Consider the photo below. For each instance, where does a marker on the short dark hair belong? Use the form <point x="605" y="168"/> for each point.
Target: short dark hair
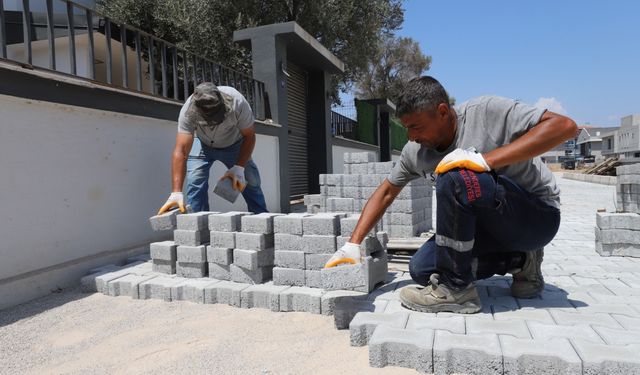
<point x="420" y="94"/>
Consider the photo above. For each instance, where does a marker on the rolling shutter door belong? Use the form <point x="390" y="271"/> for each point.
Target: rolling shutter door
<point x="297" y="113"/>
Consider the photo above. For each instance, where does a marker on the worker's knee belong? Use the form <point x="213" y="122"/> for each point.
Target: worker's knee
<point x="467" y="187"/>
<point x="423" y="263"/>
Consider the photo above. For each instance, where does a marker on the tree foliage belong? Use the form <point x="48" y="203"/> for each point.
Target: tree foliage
<point x="397" y="61"/>
<point x="351" y="29"/>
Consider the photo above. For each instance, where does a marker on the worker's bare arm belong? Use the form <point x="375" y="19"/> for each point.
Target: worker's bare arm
<point x="377" y="204"/>
<point x="184" y="141"/>
<point x="248" y="144"/>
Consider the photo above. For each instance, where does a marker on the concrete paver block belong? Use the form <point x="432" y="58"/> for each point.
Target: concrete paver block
<point x="248" y="276"/>
<point x="346" y="309"/>
<point x="313" y="278"/>
<point x="315" y="262"/>
<point x="261" y="223"/>
<point x="384" y="167"/>
<point x="516" y="328"/>
<point x="607" y="359"/>
<point x="191" y="254"/>
<point x="524" y="356"/>
<point x="190" y="237"/>
<point x="226" y="222"/>
<point x="220" y="255"/>
<point x="253" y="259"/>
<point x="263" y="296"/>
<point x="289" y="224"/>
<point x="466" y="354"/>
<point x="404" y="348"/>
<point x="569" y="318"/>
<point x="351" y="180"/>
<point x="157" y="288"/>
<point x="290" y="259"/>
<point x="193" y="221"/>
<point x="191" y="290"/>
<point x="537" y="315"/>
<point x="345" y="277"/>
<point x="346" y="298"/>
<point x="127" y="285"/>
<point x="191" y="270"/>
<point x="340" y="204"/>
<point x="99" y="282"/>
<point x="222" y="239"/>
<point x="219" y="271"/>
<point x="541" y="331"/>
<point x="163" y="266"/>
<point x="288" y="276"/>
<point x="318" y="244"/>
<point x="166" y="221"/>
<point x="631" y="323"/>
<point x="289" y="242"/>
<point x="423" y="321"/>
<point x="165" y="250"/>
<point x="321" y="224"/>
<point x="608" y="220"/>
<point x="225" y="292"/>
<point x="301" y="299"/>
<point x="364" y="323"/>
<point x="254" y="241"/>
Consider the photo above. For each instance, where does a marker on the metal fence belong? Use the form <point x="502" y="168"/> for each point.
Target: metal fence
<point x="173" y="72"/>
<point x="344" y="126"/>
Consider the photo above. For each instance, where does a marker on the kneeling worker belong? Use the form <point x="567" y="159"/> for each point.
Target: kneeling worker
<point x="497" y="203"/>
<point x="223" y="124"/>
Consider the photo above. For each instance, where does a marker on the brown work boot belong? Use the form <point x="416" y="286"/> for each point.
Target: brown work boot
<point x="437" y="297"/>
<point x="528" y="282"/>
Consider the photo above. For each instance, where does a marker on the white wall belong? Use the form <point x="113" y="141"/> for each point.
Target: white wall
<point x="80" y="183"/>
<point x="338" y="156"/>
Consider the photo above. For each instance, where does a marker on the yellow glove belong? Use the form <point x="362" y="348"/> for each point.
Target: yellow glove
<point x="464" y="159"/>
<point x="236" y="174"/>
<point x="175" y="199"/>
<point x="348" y="253"/>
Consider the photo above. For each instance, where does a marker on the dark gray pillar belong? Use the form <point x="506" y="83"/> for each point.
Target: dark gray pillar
<point x="319" y="130"/>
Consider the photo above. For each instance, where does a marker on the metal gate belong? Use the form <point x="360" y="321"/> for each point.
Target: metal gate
<point x="297" y="113"/>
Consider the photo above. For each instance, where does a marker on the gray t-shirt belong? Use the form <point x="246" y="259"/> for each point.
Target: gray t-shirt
<point x="486" y="123"/>
<point x="239" y="116"/>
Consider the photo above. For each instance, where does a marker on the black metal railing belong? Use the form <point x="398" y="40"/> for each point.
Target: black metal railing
<point x="344" y="126"/>
<point x="172" y="72"/>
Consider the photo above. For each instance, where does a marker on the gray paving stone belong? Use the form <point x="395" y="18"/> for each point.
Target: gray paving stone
<point x="163" y="266"/>
<point x="330" y="299"/>
<point x="364" y="323"/>
<point x="250" y="276"/>
<point x="607" y="220"/>
<point x="315" y="262"/>
<point x="466" y="354"/>
<point x="301" y="299"/>
<point x="287" y="242"/>
<point x="568" y="318"/>
<point x="98" y="282"/>
<point x="191" y="270"/>
<point x="225" y="292"/>
<point x="404" y="348"/>
<point x="524" y="356"/>
<point x="157" y="288"/>
<point x="193" y="221"/>
<point x="542" y="331"/>
<point x="515" y="328"/>
<point x="261" y="223"/>
<point x="321" y="224"/>
<point x="191" y="254"/>
<point x="340" y="204"/>
<point x="351" y="192"/>
<point x="127" y="285"/>
<point x="254" y="241"/>
<point x="288" y="276"/>
<point x="528" y="314"/>
<point x="165" y="250"/>
<point x="226" y="222"/>
<point x="312" y="279"/>
<point x="380" y="167"/>
<point x="191" y="290"/>
<point x="219" y="271"/>
<point x="290" y="259"/>
<point x="318" y="244"/>
<point x="607" y="359"/>
<point x="345" y="277"/>
<point x="222" y="239"/>
<point x="219" y="255"/>
<point x="190" y="237"/>
<point x="166" y="221"/>
<point x="424" y="321"/>
<point x="289" y="224"/>
<point x="614" y="336"/>
<point x="632" y="323"/>
<point x="358" y="157"/>
<point x="373" y="180"/>
<point x="253" y="259"/>
<point x="263" y="296"/>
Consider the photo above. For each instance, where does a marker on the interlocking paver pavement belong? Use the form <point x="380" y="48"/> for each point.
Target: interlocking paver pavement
<point x="589" y="308"/>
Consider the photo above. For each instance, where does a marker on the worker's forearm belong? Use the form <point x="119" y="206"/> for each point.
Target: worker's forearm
<point x="536" y="141"/>
<point x="246" y="149"/>
<point x="372" y="212"/>
<point x="178" y="170"/>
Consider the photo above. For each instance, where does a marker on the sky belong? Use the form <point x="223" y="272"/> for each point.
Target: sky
<point x="578" y="58"/>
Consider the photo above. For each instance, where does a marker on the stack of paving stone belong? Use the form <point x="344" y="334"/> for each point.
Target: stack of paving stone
<point x="618" y="234"/>
<point x="305" y="242"/>
<point x="253" y="256"/>
<point x="409" y="215"/>
<point x="191" y="239"/>
<point x="223" y="230"/>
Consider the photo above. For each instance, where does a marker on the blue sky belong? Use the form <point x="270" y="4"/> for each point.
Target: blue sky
<point x="580" y="57"/>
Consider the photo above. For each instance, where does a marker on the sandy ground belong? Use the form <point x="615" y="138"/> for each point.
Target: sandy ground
<point x="76" y="333"/>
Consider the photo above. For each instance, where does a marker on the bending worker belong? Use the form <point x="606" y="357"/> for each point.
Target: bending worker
<point x="222" y="121"/>
<point x="497" y="203"/>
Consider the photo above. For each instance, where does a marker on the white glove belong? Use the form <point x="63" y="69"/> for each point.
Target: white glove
<point x="348" y="253"/>
<point x="175" y="199"/>
<point x="236" y="174"/>
<point x="465" y="159"/>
